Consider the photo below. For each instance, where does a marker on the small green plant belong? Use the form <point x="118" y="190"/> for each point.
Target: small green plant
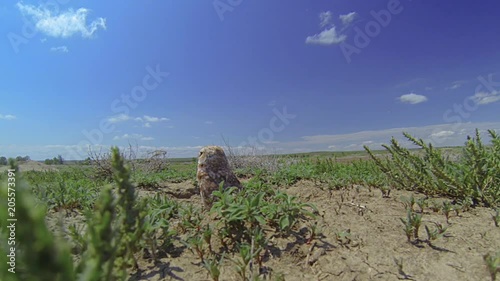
<point x="408" y="202"/>
<point x="386" y="191"/>
<point x="435" y="233"/>
<point x="212" y="265"/>
<point x="447" y="208"/>
<point x="245" y="256"/>
<point x="343" y="237"/>
<point x="190" y="219"/>
<point x="417" y="222"/>
<point x="435" y="206"/>
<point x="207" y="236"/>
<point x="496" y="217"/>
<point x="412" y="224"/>
<point x="196" y="245"/>
<point x="315" y="231"/>
<point x="492" y="264"/>
<point x="422" y="203"/>
<point x="78" y="238"/>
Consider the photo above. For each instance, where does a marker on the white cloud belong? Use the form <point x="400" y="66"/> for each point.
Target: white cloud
<point x="64" y="24"/>
<point x="431" y="133"/>
<point x="348" y="18"/>
<point x="209" y="122"/>
<point x="61" y="49"/>
<point x="119" y="118"/>
<point x="442" y="134"/>
<point x="7" y="117"/>
<point x="483" y="98"/>
<point x="412" y="98"/>
<point x="154" y="119"/>
<point x="133" y="136"/>
<point x="146" y="120"/>
<point x="325" y="18"/>
<point x="326" y="37"/>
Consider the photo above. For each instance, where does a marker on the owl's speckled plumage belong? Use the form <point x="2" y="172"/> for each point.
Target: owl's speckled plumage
<point x="213" y="168"/>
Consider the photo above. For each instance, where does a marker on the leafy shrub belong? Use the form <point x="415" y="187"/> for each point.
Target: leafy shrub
<point x="475" y="175"/>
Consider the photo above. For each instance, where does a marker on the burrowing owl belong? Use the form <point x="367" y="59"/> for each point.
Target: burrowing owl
<point x="213" y="168"/>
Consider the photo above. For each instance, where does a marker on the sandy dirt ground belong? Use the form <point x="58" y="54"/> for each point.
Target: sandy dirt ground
<point x="372" y="251"/>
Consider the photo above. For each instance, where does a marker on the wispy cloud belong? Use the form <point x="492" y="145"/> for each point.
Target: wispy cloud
<point x="209" y="122"/>
<point x="348" y="18"/>
<point x="146" y="120"/>
<point x="7" y="117"/>
<point x="60" y="49"/>
<point x="412" y="98"/>
<point x="119" y="118"/>
<point x="452" y="134"/>
<point x="326" y="37"/>
<point x="325" y="18"/>
<point x="133" y="136"/>
<point x="442" y="134"/>
<point x="455" y="85"/>
<point x="64" y="24"/>
<point x="483" y="98"/>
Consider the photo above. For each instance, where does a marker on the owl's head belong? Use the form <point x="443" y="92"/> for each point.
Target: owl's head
<point x="211" y="153"/>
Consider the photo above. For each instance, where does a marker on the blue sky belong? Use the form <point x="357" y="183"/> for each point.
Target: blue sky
<point x="285" y="77"/>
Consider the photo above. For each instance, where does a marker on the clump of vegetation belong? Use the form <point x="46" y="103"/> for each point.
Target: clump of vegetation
<point x="493" y="264"/>
<point x="110" y="240"/>
<point x="39" y="256"/>
<point x="475" y="175"/>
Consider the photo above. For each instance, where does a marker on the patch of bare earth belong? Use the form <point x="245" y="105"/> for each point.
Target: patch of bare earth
<point x="362" y="238"/>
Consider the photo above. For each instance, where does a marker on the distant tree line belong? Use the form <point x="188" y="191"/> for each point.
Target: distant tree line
<point x="4" y="160"/>
<point x="55" y="161"/>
